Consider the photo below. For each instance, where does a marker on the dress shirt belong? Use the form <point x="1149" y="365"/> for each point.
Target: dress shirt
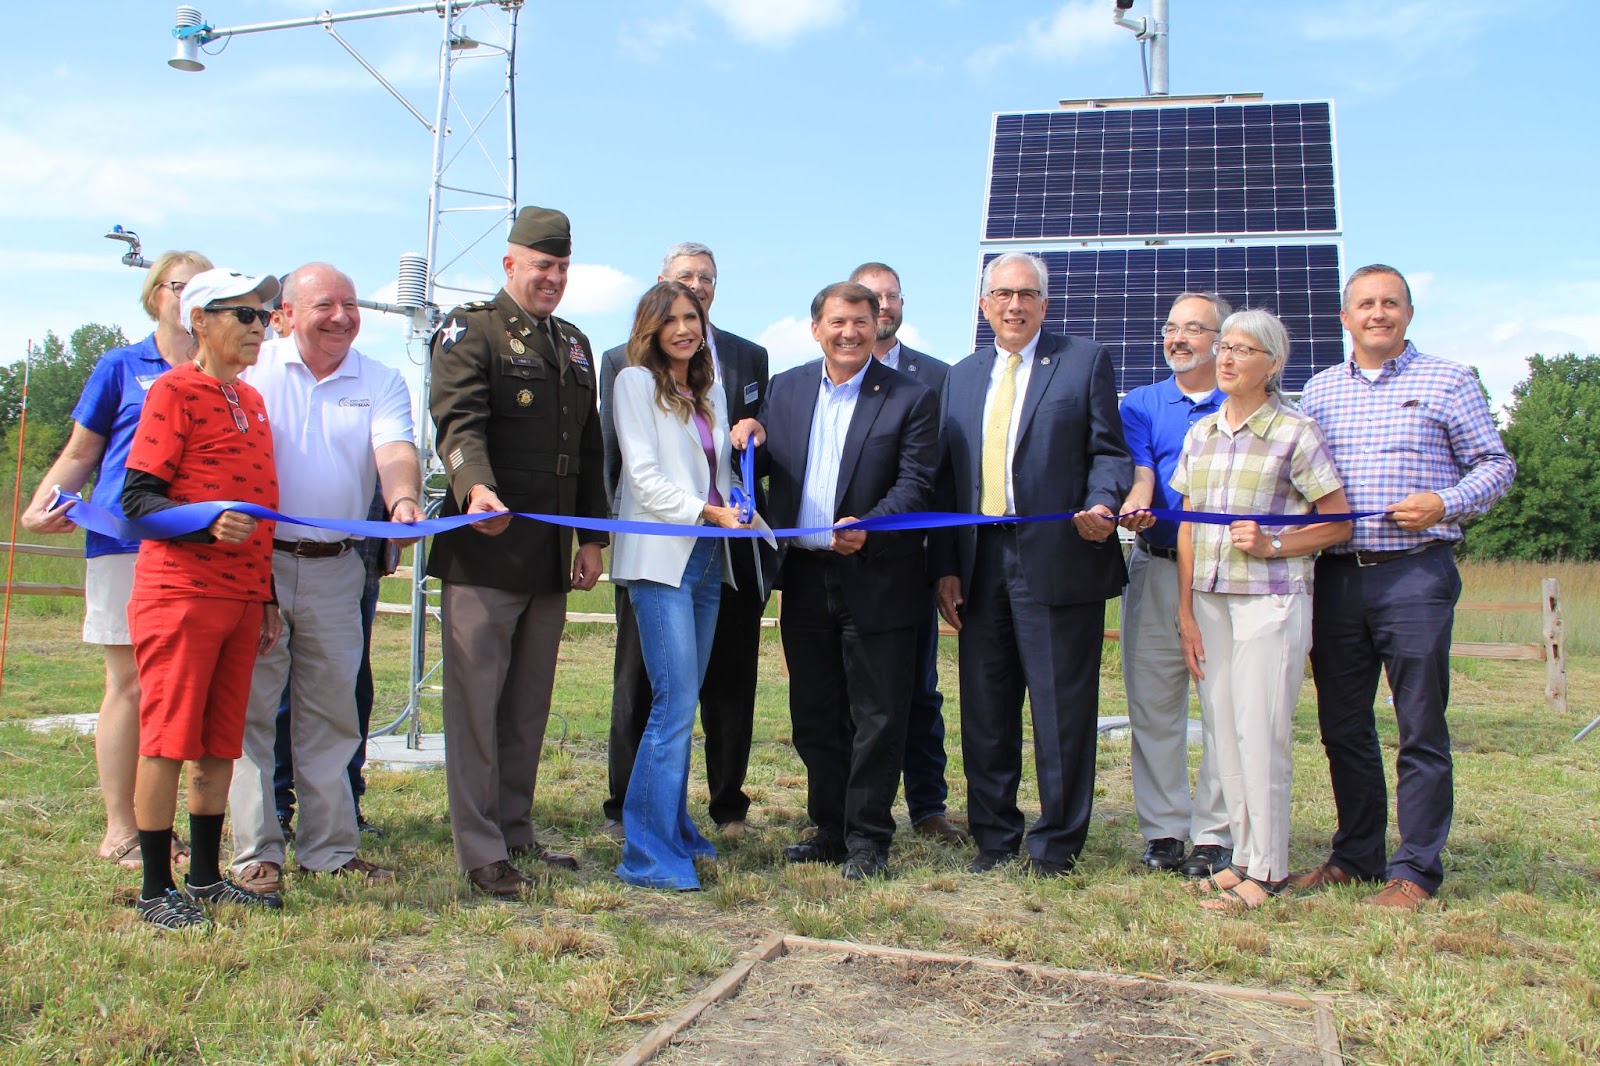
<point x="1276" y="462"/>
<point x="1421" y="426"/>
<point x="1155" y="420"/>
<point x="1024" y="372"/>
<point x="891" y="358"/>
<point x="829" y="424"/>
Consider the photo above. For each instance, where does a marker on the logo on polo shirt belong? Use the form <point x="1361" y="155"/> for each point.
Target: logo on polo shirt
<point x="354" y="401"/>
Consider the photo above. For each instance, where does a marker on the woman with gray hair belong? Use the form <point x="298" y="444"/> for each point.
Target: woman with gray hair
<point x="1244" y="593"/>
<point x="102" y="432"/>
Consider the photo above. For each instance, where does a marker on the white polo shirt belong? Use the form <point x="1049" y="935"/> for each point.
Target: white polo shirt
<point x="325" y="433"/>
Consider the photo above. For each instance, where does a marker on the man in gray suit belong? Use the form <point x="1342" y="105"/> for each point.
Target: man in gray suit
<point x="925" y="786"/>
<point x="1030" y="427"/>
<point x="728" y="697"/>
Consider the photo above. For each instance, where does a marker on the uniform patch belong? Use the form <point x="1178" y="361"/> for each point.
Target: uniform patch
<point x="450" y="332"/>
<point x="457" y="459"/>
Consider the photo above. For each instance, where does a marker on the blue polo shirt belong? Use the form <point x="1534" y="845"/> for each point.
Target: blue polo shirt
<point x="110" y="405"/>
<point x="1155" y="420"/>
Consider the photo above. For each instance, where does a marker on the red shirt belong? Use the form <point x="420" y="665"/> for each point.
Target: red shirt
<point x="187" y="436"/>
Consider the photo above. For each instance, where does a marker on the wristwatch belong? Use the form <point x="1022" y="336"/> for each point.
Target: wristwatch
<point x="1277" y="547"/>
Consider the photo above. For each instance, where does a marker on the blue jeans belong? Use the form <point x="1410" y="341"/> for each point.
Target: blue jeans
<point x="676" y="627"/>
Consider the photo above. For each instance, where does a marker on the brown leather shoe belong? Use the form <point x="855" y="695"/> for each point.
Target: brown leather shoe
<point x="1323" y="876"/>
<point x="938" y="827"/>
<point x="262" y="878"/>
<point x="733" y="830"/>
<point x="500" y="880"/>
<point x="357" y="867"/>
<point x="539" y="852"/>
<point x="1400" y="894"/>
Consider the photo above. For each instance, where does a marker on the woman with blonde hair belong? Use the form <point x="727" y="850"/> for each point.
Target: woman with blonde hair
<point x="672" y="431"/>
<point x="102" y="431"/>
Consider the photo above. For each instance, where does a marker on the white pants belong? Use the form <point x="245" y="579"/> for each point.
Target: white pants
<point x="317" y="656"/>
<point x="1255" y="663"/>
<point x="1157" y="681"/>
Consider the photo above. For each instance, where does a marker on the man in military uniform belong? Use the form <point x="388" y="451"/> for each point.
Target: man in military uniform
<point x="513" y="398"/>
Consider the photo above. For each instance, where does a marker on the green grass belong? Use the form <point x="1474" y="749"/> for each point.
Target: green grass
<point x="1505" y="968"/>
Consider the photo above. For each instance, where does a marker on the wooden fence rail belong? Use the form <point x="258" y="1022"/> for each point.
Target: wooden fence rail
<point x="1552" y="651"/>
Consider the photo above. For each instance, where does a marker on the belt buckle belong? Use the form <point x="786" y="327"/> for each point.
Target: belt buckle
<point x="561" y="465"/>
<point x="1360" y="562"/>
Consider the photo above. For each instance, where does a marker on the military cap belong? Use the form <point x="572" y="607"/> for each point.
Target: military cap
<point x="543" y="229"/>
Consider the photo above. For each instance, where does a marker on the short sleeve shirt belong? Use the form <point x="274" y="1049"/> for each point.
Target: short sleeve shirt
<point x="1277" y="462"/>
<point x="1155" y="423"/>
<point x="187" y="437"/>
<point x="109" y="407"/>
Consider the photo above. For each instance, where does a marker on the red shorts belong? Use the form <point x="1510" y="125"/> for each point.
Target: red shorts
<point x="195" y="657"/>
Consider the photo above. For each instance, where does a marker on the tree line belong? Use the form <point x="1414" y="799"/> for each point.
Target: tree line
<point x="1551" y="428"/>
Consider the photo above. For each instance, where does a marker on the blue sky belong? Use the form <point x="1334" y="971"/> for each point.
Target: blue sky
<point x="796" y="138"/>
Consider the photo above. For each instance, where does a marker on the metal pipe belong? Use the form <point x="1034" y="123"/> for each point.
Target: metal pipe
<point x="1160" y="39"/>
<point x="208" y="34"/>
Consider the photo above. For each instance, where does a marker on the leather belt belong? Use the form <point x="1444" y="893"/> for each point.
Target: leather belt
<point x="560" y="465"/>
<point x="1373" y="558"/>
<point x="313" y="549"/>
<point x="1159" y="553"/>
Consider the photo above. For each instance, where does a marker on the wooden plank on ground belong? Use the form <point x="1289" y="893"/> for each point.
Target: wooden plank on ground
<point x="1467" y="649"/>
<point x="60" y="551"/>
<point x="41" y="588"/>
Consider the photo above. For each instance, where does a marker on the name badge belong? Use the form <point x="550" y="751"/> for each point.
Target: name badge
<point x="752" y="392"/>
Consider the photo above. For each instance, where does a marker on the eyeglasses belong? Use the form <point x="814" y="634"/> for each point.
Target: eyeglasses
<point x="1188" y="329"/>
<point x="891" y="297"/>
<point x="688" y="277"/>
<point x="1004" y="296"/>
<point x="1240" y="351"/>
<point x="237" y="410"/>
<point x="175" y="286"/>
<point x="245" y="315"/>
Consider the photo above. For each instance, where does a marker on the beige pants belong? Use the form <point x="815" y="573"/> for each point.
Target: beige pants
<point x="1255" y="663"/>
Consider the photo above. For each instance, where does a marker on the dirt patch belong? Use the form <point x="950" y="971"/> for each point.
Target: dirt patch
<point x="817" y="1007"/>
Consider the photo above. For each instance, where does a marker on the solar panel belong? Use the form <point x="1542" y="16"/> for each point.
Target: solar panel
<point x="1162" y="171"/>
<point x="1120" y="297"/>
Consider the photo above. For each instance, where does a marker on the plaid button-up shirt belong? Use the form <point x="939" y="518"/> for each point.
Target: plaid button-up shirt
<point x="1278" y="462"/>
<point x="1422" y="426"/>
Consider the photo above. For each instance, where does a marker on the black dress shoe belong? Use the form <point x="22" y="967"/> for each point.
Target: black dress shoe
<point x="1163" y="853"/>
<point x="865" y="862"/>
<point x="366" y="828"/>
<point x="538" y="852"/>
<point x="1205" y="860"/>
<point x="500" y="880"/>
<point x="815" y="850"/>
<point x="985" y="861"/>
<point x="1037" y="867"/>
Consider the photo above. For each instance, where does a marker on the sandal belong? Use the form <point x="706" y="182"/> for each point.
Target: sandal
<point x="1233" y="901"/>
<point x="127" y="855"/>
<point x="180" y="849"/>
<point x="1210" y="885"/>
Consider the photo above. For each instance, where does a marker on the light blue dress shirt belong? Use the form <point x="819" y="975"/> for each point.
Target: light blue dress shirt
<point x="829" y="425"/>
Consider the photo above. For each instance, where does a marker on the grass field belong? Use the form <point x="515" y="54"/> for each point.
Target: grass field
<point x="1505" y="967"/>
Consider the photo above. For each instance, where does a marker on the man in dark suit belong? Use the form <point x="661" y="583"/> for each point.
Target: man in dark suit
<point x="728" y="697"/>
<point x="846" y="439"/>
<point x="1030" y="427"/>
<point x="925" y="786"/>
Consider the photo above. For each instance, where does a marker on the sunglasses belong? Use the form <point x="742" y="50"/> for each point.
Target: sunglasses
<point x="245" y="315"/>
<point x="228" y="393"/>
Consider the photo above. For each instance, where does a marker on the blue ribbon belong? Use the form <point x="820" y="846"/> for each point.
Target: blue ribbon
<point x="188" y="517"/>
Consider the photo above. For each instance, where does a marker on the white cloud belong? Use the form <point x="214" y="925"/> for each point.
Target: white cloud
<point x="912" y="337"/>
<point x="595" y="289"/>
<point x="789" y="343"/>
<point x="1409" y="26"/>
<point x="775" y="24"/>
<point x="1077" y="27"/>
<point x="646" y="39"/>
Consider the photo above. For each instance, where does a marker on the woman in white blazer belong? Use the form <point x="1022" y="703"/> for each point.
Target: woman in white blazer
<point x="672" y="431"/>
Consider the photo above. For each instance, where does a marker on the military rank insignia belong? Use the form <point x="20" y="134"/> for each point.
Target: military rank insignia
<point x="576" y="352"/>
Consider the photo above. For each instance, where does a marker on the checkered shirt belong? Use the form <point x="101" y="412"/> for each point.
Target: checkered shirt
<point x="1278" y="462"/>
<point x="1423" y="426"/>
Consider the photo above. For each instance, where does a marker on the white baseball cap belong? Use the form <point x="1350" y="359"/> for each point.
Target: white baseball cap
<point x="209" y="286"/>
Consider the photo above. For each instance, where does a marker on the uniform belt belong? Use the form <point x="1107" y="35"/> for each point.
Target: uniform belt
<point x="1159" y="553"/>
<point x="1373" y="558"/>
<point x="313" y="549"/>
<point x="559" y="465"/>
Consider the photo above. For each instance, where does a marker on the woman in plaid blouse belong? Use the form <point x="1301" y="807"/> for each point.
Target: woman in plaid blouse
<point x="1244" y="595"/>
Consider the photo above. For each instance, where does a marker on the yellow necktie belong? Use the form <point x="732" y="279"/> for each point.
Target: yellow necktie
<point x="996" y="436"/>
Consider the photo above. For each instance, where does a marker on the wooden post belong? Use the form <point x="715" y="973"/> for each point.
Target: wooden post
<point x="1555" y="646"/>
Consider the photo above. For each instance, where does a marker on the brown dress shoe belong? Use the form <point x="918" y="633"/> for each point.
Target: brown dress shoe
<point x="500" y="880"/>
<point x="612" y="827"/>
<point x="1400" y="894"/>
<point x="1322" y="877"/>
<point x="938" y="827"/>
<point x="262" y="878"/>
<point x="356" y="867"/>
<point x="539" y="852"/>
<point x="733" y="830"/>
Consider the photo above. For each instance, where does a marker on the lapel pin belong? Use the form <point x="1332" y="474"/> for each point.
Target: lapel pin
<point x="875" y="388"/>
<point x="1045" y="360"/>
